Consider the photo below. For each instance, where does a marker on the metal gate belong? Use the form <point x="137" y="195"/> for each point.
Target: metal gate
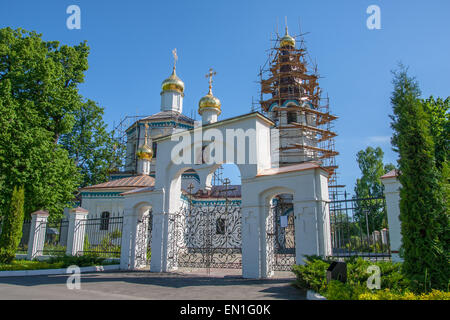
<point x="281" y="235"/>
<point x="359" y="227"/>
<point x="206" y="234"/>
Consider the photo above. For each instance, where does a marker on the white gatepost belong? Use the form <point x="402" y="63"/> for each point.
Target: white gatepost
<point x="37" y="234"/>
<point x="251" y="249"/>
<point x="392" y="195"/>
<point x="76" y="231"/>
<point x="157" y="261"/>
<point x="134" y="239"/>
<point x="312" y="229"/>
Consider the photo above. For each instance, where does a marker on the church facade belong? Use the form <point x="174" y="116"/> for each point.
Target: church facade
<point x="174" y="205"/>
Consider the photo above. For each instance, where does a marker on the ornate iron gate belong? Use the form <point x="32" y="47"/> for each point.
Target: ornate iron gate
<point x="281" y="235"/>
<point x="206" y="234"/>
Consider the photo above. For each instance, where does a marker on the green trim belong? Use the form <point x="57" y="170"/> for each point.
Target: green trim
<point x="162" y="124"/>
<point x="210" y="202"/>
<point x="92" y="195"/>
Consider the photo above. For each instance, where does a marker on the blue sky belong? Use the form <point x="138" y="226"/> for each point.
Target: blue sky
<point x="131" y="44"/>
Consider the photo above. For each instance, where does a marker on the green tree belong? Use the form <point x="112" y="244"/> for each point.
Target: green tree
<point x="370" y="214"/>
<point x="38" y="94"/>
<point x="12" y="226"/>
<point x="29" y="157"/>
<point x="422" y="214"/>
<point x="45" y="74"/>
<point x="91" y="146"/>
<point x="438" y="111"/>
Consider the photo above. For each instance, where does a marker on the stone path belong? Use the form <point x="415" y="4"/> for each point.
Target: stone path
<point x="191" y="285"/>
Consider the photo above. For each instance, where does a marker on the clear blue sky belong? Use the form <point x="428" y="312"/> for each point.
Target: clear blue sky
<point x="131" y="43"/>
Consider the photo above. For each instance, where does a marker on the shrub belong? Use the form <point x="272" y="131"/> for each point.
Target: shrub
<point x="312" y="276"/>
<point x="81" y="261"/>
<point x="386" y="294"/>
<point x="337" y="290"/>
<point x="12" y="226"/>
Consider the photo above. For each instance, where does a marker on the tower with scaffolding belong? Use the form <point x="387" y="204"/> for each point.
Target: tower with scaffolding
<point x="290" y="95"/>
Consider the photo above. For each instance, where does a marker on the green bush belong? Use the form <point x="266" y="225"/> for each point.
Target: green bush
<point x="386" y="294"/>
<point x="312" y="276"/>
<point x="54" y="263"/>
<point x="12" y="226"/>
<point x="81" y="261"/>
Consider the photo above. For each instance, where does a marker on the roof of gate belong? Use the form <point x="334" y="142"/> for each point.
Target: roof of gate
<point x="391" y="174"/>
<point x="292" y="168"/>
<point x="138" y="181"/>
<point x="234" y="191"/>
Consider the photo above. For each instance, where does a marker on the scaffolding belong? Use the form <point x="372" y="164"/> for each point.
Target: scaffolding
<point x="121" y="138"/>
<point x="287" y="85"/>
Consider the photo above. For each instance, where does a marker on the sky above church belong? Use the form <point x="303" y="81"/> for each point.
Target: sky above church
<point x="131" y="44"/>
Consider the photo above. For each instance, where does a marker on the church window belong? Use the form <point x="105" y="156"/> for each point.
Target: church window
<point x="104" y="221"/>
<point x="154" y="147"/>
<point x="291" y="116"/>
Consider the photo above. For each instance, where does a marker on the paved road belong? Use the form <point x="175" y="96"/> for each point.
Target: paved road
<point x="146" y="285"/>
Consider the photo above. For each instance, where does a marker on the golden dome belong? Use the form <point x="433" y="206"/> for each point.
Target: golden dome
<point x="209" y="101"/>
<point x="287" y="40"/>
<point x="145" y="152"/>
<point x="173" y="83"/>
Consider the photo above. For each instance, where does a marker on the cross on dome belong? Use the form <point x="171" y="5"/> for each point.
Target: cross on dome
<point x="175" y="58"/>
<point x="210" y="74"/>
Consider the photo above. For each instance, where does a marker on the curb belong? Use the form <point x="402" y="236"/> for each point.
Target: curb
<point x="312" y="295"/>
<point x="41" y="272"/>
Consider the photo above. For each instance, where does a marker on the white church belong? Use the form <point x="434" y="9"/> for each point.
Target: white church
<point x="174" y="204"/>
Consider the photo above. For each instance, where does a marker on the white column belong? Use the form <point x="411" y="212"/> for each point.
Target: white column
<point x="37" y="234"/>
<point x="134" y="239"/>
<point x="251" y="244"/>
<point x="392" y="195"/>
<point x="306" y="230"/>
<point x="76" y="231"/>
<point x="157" y="262"/>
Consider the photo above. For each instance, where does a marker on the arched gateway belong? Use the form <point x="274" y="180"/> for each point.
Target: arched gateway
<point x="249" y="142"/>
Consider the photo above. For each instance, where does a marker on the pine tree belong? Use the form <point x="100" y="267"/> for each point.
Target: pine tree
<point x="421" y="196"/>
<point x="12" y="226"/>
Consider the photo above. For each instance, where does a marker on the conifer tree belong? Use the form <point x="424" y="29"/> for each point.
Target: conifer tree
<point x="12" y="226"/>
<point x="422" y="213"/>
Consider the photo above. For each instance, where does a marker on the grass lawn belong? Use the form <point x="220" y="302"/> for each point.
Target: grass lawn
<point x="54" y="263"/>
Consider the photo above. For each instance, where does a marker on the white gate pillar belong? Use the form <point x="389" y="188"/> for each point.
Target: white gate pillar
<point x="160" y="230"/>
<point x="158" y="262"/>
<point x="251" y="242"/>
<point x="37" y="234"/>
<point x="312" y="229"/>
<point x="134" y="239"/>
<point x="76" y="231"/>
<point x="392" y="195"/>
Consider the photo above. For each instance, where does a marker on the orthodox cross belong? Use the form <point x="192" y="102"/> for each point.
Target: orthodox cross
<point x="175" y="58"/>
<point x="210" y="74"/>
<point x="190" y="187"/>
<point x="226" y="182"/>
<point x="146" y="135"/>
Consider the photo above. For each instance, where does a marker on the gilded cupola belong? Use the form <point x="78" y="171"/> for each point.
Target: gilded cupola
<point x="145" y="152"/>
<point x="209" y="101"/>
<point x="287" y="40"/>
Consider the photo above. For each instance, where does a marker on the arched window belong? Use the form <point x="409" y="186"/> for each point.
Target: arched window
<point x="104" y="221"/>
